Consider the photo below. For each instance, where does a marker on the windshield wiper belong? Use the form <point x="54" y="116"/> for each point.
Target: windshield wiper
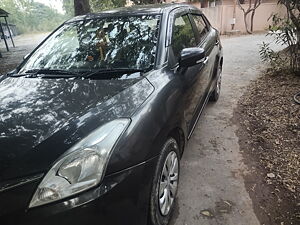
<point x="111" y="73"/>
<point x="117" y="71"/>
<point x="52" y="72"/>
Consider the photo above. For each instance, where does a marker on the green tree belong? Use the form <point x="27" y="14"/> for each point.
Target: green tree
<point x="293" y="15"/>
<point x="30" y="16"/>
<point x="290" y="27"/>
<point x="68" y="6"/>
<point x="97" y="5"/>
<point x="286" y="31"/>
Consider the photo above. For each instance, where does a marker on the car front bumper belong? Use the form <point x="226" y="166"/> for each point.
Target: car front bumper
<point x="121" y="199"/>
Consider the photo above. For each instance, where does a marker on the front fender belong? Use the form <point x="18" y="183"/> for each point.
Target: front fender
<point x="152" y="123"/>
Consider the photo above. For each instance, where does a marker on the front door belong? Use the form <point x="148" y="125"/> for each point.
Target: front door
<point x="194" y="78"/>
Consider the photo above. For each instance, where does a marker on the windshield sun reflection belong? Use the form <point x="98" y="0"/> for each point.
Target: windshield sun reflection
<point x="104" y="43"/>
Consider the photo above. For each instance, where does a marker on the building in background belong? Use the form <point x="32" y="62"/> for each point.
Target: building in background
<point x="223" y="14"/>
<point x="213" y="3"/>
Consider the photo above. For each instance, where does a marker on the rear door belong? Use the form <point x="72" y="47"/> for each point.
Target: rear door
<point x="207" y="39"/>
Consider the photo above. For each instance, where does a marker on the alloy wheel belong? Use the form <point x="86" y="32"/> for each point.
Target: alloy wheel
<point x="168" y="183"/>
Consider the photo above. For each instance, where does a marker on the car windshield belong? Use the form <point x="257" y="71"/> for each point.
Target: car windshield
<point x="127" y="42"/>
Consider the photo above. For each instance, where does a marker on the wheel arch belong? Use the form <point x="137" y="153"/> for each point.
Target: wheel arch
<point x="221" y="62"/>
<point x="178" y="134"/>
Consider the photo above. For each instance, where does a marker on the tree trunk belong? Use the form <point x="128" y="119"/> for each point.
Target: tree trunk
<point x="252" y="21"/>
<point x="81" y="7"/>
<point x="246" y="24"/>
<point x="246" y="12"/>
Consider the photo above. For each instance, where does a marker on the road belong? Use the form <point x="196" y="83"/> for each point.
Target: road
<point x="212" y="186"/>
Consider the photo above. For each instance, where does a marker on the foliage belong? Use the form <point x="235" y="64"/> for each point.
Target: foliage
<point x="292" y="23"/>
<point x="68" y="6"/>
<point x="293" y="11"/>
<point x="97" y="5"/>
<point x="277" y="61"/>
<point x="286" y="31"/>
<point x="30" y="16"/>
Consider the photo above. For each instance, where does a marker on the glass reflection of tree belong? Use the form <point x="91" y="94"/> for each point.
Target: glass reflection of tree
<point x="111" y="42"/>
<point x="49" y="103"/>
<point x="133" y="42"/>
<point x="32" y="110"/>
<point x="120" y="42"/>
<point x="183" y="35"/>
<point x="101" y="35"/>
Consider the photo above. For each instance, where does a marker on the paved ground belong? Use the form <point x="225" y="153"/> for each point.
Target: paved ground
<point x="24" y="45"/>
<point x="212" y="189"/>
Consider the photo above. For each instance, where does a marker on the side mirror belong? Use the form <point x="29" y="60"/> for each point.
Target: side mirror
<point x="191" y="56"/>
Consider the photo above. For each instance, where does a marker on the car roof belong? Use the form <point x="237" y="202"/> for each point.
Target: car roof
<point x="151" y="8"/>
<point x="135" y="10"/>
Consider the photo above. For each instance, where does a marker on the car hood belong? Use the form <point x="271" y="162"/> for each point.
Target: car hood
<point x="41" y="118"/>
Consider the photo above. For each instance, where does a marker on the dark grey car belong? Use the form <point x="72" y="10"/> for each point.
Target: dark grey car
<point x="94" y="121"/>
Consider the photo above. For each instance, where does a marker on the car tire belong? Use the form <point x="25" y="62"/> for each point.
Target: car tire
<point x="165" y="184"/>
<point x="217" y="89"/>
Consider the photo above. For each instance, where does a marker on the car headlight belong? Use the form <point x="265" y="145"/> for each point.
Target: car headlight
<point x="82" y="168"/>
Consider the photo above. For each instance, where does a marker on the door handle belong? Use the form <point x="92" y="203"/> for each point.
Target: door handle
<point x="217" y="42"/>
<point x="204" y="60"/>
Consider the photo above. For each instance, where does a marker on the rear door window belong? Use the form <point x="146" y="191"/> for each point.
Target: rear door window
<point x="202" y="28"/>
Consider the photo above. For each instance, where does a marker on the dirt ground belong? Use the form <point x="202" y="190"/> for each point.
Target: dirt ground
<point x="269" y="131"/>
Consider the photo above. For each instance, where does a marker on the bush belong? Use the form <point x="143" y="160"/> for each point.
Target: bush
<point x="277" y="61"/>
<point x="286" y="31"/>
